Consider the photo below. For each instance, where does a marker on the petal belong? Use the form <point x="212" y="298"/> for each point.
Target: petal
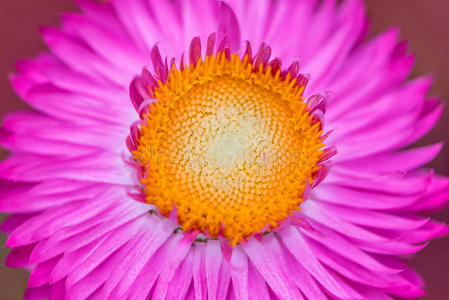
<point x="79" y="57"/>
<point x="239" y="273"/>
<point x="181" y="282"/>
<point x="269" y="267"/>
<point x="298" y="247"/>
<point x="256" y="283"/>
<point x="131" y="266"/>
<point x="213" y="260"/>
<point x="180" y="248"/>
<point x="198" y="273"/>
<point x="358" y="198"/>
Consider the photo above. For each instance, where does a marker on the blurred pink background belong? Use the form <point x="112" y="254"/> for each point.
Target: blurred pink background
<point x="425" y="24"/>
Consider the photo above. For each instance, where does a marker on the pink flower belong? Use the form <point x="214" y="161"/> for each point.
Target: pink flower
<point x="257" y="156"/>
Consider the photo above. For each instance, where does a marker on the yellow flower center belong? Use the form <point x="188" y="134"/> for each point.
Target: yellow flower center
<point x="230" y="147"/>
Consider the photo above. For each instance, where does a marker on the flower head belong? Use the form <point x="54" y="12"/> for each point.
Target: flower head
<point x="222" y="171"/>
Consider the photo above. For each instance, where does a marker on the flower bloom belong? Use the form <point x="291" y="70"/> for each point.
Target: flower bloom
<point x="258" y="155"/>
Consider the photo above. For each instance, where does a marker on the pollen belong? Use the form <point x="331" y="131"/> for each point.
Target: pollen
<point x="228" y="147"/>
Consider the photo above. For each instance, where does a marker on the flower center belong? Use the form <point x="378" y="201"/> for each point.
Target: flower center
<point x="230" y="147"/>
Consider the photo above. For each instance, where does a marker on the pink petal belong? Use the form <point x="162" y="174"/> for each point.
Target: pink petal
<point x="41" y="273"/>
<point x="126" y="272"/>
<point x="180" y="247"/>
<point x="80" y="58"/>
<point x="213" y="260"/>
<point x="346" y="249"/>
<point x="256" y="283"/>
<point x="298" y="247"/>
<point x="179" y="285"/>
<point x="361" y="199"/>
<point x="269" y="267"/>
<point x="228" y="26"/>
<point x="198" y="273"/>
<point x="239" y="273"/>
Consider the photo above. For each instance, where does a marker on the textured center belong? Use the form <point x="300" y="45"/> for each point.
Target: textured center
<point x="229" y="153"/>
<point x="234" y="147"/>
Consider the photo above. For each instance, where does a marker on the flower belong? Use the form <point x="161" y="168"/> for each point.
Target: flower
<point x="258" y="155"/>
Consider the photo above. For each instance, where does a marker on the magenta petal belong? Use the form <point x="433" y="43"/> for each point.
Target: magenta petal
<point x="134" y="93"/>
<point x="346" y="249"/>
<point x="394" y="247"/>
<point x="58" y="290"/>
<point x="304" y="280"/>
<point x="147" y="245"/>
<point x="23" y="234"/>
<point x="57" y="244"/>
<point x="71" y="260"/>
<point x="262" y="56"/>
<point x="375" y="219"/>
<point x="298" y="247"/>
<point x="160" y="69"/>
<point x="56" y="219"/>
<point x="435" y="196"/>
<point x="211" y="44"/>
<point x="228" y="27"/>
<point x="269" y="267"/>
<point x="198" y="273"/>
<point x="313" y="211"/>
<point x="354" y="271"/>
<point x="432" y="113"/>
<point x="362" y="199"/>
<point x="256" y="283"/>
<point x="112" y="45"/>
<point x="394" y="162"/>
<point x="430" y="230"/>
<point x="19" y="256"/>
<point x="37" y="293"/>
<point x="79" y="57"/>
<point x="213" y="260"/>
<point x="144" y="283"/>
<point x="92" y="167"/>
<point x="224" y="281"/>
<point x="180" y="284"/>
<point x="195" y="50"/>
<point x="239" y="273"/>
<point x="94" y="280"/>
<point x="13" y="221"/>
<point x="180" y="247"/>
<point x="41" y="273"/>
